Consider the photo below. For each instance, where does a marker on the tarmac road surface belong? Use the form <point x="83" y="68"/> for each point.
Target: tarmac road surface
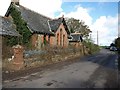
<point x="94" y="71"/>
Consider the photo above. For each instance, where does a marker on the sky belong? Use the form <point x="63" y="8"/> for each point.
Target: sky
<point x="99" y="15"/>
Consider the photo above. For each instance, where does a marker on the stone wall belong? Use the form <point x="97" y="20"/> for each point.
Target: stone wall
<point x="53" y="56"/>
<point x="17" y="59"/>
<point x="46" y="56"/>
<point x="39" y="41"/>
<point x="34" y="41"/>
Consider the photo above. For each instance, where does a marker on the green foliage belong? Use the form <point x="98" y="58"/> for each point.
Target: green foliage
<point x="93" y="47"/>
<point x="112" y="44"/>
<point x="10" y="41"/>
<point x="45" y="41"/>
<point x="72" y="31"/>
<point x="117" y="42"/>
<point x="21" y="27"/>
<point x="76" y="25"/>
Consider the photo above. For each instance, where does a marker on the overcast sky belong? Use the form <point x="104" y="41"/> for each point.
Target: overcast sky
<point x="100" y="16"/>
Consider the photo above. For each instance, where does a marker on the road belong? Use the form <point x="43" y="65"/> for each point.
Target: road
<point x="105" y="58"/>
<point x="94" y="71"/>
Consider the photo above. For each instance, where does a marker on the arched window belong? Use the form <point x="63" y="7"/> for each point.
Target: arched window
<point x="63" y="40"/>
<point x="60" y="37"/>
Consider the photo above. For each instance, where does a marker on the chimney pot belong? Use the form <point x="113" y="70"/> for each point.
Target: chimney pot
<point x="16" y="2"/>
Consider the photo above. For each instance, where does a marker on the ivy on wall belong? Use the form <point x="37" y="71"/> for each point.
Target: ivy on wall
<point x="21" y="27"/>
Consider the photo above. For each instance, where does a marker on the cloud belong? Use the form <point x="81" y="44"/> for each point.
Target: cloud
<point x="107" y="26"/>
<point x="4" y="4"/>
<point x="80" y="13"/>
<point x="45" y="7"/>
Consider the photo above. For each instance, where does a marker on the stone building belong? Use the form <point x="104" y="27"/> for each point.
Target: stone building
<point x="76" y="39"/>
<point x="53" y="32"/>
<point x="59" y="27"/>
<point x="7" y="28"/>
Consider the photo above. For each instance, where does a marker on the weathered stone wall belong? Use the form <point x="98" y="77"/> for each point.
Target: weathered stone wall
<point x="53" y="56"/>
<point x="17" y="59"/>
<point x="46" y="56"/>
<point x="75" y="44"/>
<point x="39" y="41"/>
<point x="34" y="41"/>
<point x="52" y="41"/>
<point x="6" y="50"/>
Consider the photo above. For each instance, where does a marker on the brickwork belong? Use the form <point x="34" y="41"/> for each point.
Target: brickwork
<point x="47" y="37"/>
<point x="52" y="41"/>
<point x="40" y="41"/>
<point x="34" y="39"/>
<point x="60" y="38"/>
<point x="18" y="61"/>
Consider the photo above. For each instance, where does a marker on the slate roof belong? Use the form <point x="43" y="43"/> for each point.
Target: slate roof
<point x="7" y="27"/>
<point x="54" y="24"/>
<point x="76" y="38"/>
<point x="38" y="23"/>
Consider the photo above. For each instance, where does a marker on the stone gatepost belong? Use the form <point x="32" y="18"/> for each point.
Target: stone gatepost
<point x="18" y="60"/>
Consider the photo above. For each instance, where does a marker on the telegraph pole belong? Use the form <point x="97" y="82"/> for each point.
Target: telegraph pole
<point x="90" y="43"/>
<point x="97" y="39"/>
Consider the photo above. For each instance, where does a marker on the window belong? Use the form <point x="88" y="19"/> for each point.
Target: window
<point x="63" y="40"/>
<point x="60" y="37"/>
<point x="44" y="39"/>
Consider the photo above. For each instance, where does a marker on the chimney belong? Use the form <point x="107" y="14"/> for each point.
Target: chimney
<point x="15" y="2"/>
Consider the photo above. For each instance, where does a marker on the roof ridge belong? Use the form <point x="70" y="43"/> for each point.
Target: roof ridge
<point x="75" y="33"/>
<point x="35" y="12"/>
<point x="55" y="19"/>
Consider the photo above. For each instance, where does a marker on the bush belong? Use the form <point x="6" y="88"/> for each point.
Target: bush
<point x="92" y="47"/>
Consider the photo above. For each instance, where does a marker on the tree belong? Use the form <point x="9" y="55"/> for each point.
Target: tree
<point x="73" y="24"/>
<point x="117" y="42"/>
<point x="76" y="25"/>
<point x="112" y="44"/>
